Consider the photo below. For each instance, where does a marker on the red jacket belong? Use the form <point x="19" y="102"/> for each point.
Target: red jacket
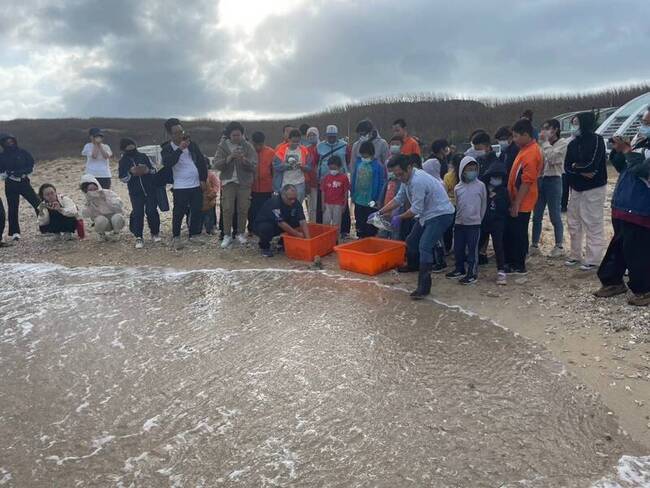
<point x="263" y="182"/>
<point x="335" y="189"/>
<point x="311" y="178"/>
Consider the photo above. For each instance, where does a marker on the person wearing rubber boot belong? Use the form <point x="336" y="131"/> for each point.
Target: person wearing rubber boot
<point x="433" y="214"/>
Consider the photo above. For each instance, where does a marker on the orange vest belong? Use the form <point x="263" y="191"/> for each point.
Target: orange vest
<point x="263" y="182"/>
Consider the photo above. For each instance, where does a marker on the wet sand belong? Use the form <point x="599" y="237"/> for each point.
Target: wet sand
<point x="602" y="344"/>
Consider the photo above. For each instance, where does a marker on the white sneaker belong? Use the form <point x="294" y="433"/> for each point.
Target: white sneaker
<point x="139" y="243"/>
<point x="501" y="278"/>
<point x="557" y="252"/>
<point x="15" y="237"/>
<point x="588" y="267"/>
<point x="242" y="239"/>
<point x="227" y="242"/>
<point x="571" y="262"/>
<point x="156" y="238"/>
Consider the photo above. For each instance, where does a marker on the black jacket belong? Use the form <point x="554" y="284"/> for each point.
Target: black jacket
<point x="508" y="156"/>
<point x="15" y="161"/>
<point x="170" y="158"/>
<point x="137" y="185"/>
<point x="498" y="200"/>
<point x="485" y="162"/>
<point x="586" y="154"/>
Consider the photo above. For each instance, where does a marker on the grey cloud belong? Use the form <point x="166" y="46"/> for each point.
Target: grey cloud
<point x="167" y="59"/>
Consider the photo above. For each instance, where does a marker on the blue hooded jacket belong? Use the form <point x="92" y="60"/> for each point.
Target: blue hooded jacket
<point x="377" y="179"/>
<point x="15" y="161"/>
<point x="632" y="192"/>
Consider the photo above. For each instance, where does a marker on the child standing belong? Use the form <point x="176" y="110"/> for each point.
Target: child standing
<point x="368" y="178"/>
<point x="451" y="180"/>
<point x="496" y="215"/>
<point x="335" y="187"/>
<point x="209" y="209"/>
<point x="471" y="204"/>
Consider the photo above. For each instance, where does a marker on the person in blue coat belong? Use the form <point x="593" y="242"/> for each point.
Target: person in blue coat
<point x="368" y="177"/>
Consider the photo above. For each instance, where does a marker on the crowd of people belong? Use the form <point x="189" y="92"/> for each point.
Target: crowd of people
<point x="449" y="203"/>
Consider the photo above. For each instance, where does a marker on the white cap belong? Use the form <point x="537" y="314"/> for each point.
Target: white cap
<point x="332" y="130"/>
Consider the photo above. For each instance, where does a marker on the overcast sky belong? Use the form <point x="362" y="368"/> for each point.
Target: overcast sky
<point x="263" y="58"/>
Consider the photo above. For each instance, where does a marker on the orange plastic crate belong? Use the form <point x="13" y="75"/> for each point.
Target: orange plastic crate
<point x="371" y="256"/>
<point x="322" y="242"/>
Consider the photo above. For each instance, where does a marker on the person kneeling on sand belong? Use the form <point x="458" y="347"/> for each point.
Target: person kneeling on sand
<point x="103" y="207"/>
<point x="57" y="214"/>
<point x="281" y="213"/>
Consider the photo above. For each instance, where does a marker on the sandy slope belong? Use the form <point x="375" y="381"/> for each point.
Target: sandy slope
<point x="604" y="344"/>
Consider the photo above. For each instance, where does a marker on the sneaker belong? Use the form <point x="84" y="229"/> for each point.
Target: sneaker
<point x="610" y="291"/>
<point x="483" y="259"/>
<point x="588" y="267"/>
<point x="639" y="300"/>
<point x="67" y="236"/>
<point x="468" y="280"/>
<point x="102" y="236"/>
<point x="242" y="239"/>
<point x="406" y="269"/>
<point x="178" y="244"/>
<point x="439" y="268"/>
<point x="139" y="243"/>
<point x="4" y="244"/>
<point x="454" y="275"/>
<point x="534" y="250"/>
<point x="557" y="252"/>
<point x="227" y="242"/>
<point x="501" y="278"/>
<point x="156" y="238"/>
<point x="520" y="271"/>
<point x="15" y="237"/>
<point x="571" y="262"/>
<point x="195" y="241"/>
<point x="267" y="253"/>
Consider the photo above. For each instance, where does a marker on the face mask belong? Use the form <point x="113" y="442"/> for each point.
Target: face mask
<point x="312" y="140"/>
<point x="366" y="160"/>
<point x="334" y="172"/>
<point x="364" y="137"/>
<point x="496" y="181"/>
<point x="644" y="131"/>
<point x="504" y="145"/>
<point x="575" y="131"/>
<point x="391" y="176"/>
<point x="395" y="149"/>
<point x="479" y="153"/>
<point x="471" y="175"/>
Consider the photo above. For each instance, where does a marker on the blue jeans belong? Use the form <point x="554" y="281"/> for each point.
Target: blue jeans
<point x="423" y="237"/>
<point x="550" y="193"/>
<point x="466" y="239"/>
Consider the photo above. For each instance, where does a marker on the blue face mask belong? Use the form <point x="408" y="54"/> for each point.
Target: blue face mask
<point x="496" y="181"/>
<point x="366" y="160"/>
<point x="644" y="131"/>
<point x="471" y="175"/>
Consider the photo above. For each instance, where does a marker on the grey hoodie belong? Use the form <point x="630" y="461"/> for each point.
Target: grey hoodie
<point x="471" y="198"/>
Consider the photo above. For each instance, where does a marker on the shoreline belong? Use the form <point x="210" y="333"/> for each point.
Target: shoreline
<point x="603" y="344"/>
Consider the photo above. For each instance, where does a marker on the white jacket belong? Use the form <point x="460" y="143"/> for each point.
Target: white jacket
<point x="101" y="202"/>
<point x="68" y="209"/>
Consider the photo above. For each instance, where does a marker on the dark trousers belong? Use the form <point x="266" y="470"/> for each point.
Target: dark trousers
<point x="266" y="231"/>
<point x="565" y="193"/>
<point x="364" y="229"/>
<point x="449" y="239"/>
<point x="144" y="205"/>
<point x="59" y="223"/>
<point x="516" y="240"/>
<point x="496" y="231"/>
<point x="209" y="220"/>
<point x="628" y="250"/>
<point x="257" y="200"/>
<point x="187" y="199"/>
<point x="13" y="191"/>
<point x="422" y="238"/>
<point x="3" y="218"/>
<point x="105" y="183"/>
<point x="466" y="239"/>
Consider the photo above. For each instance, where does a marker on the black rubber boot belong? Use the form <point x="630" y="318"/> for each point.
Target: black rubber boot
<point x="424" y="282"/>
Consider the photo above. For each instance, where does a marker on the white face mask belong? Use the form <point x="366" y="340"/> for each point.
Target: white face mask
<point x="395" y="149"/>
<point x="504" y="145"/>
<point x="575" y="131"/>
<point x="364" y="137"/>
<point x="366" y="160"/>
<point x="334" y="172"/>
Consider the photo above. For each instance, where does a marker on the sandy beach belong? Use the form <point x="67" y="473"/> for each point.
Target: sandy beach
<point x="604" y="344"/>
